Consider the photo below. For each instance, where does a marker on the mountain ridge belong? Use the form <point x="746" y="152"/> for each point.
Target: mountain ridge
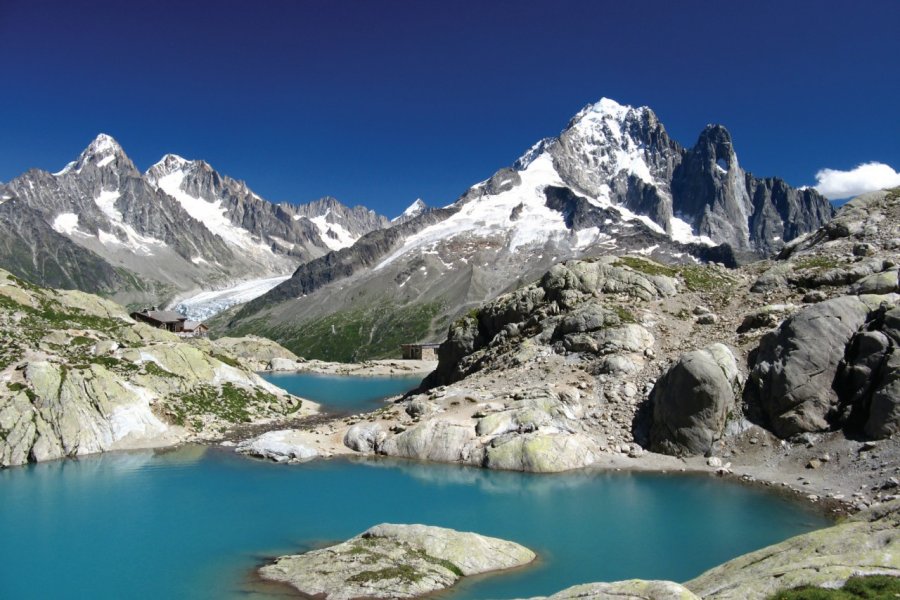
<point x="101" y="225"/>
<point x="613" y="181"/>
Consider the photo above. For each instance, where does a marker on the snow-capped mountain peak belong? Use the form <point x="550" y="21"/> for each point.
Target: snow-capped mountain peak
<point x="165" y="166"/>
<point x="104" y="142"/>
<point x="414" y="209"/>
<point x="103" y="151"/>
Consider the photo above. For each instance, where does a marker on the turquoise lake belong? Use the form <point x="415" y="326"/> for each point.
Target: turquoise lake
<point x="344" y="394"/>
<point x="195" y="522"/>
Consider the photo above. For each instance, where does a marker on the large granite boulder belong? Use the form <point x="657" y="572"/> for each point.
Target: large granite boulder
<point x="795" y="366"/>
<point x="395" y="561"/>
<point x="364" y="437"/>
<point x="541" y="452"/>
<point x="287" y="445"/>
<point x="866" y="544"/>
<point x="435" y="439"/>
<point x="691" y="401"/>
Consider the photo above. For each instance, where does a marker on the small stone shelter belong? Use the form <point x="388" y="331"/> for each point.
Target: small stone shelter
<point x="195" y="328"/>
<point x="419" y="351"/>
<point x="161" y="319"/>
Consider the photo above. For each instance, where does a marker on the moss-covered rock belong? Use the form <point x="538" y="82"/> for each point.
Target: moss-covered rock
<point x="867" y="543"/>
<point x="395" y="561"/>
<point x="81" y="377"/>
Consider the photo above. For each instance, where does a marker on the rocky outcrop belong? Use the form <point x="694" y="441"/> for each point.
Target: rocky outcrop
<point x="260" y="354"/>
<point x="395" y="561"/>
<point x="280" y="446"/>
<point x="868" y="378"/>
<point x="793" y="376"/>
<point x="577" y="309"/>
<point x="541" y="452"/>
<point x="632" y="589"/>
<point x="78" y="376"/>
<point x="692" y="400"/>
<point x="364" y="437"/>
<point x="794" y="368"/>
<point x="866" y="544"/>
<point x="531" y="311"/>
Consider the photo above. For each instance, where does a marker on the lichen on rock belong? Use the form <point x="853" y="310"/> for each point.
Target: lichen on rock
<point x="395" y="561"/>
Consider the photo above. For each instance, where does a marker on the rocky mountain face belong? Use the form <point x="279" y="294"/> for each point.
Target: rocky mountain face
<point x="612" y="182"/>
<point x="102" y="226"/>
<point x="78" y="376"/>
<point x="783" y="369"/>
<point x="339" y="226"/>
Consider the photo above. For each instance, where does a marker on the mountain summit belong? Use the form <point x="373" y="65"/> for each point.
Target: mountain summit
<point x="99" y="225"/>
<point x="612" y="182"/>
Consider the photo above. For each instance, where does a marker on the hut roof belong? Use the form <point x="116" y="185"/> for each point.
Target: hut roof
<point x="163" y="316"/>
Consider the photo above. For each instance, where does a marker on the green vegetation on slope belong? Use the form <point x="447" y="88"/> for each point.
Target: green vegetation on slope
<point x="229" y="403"/>
<point x="874" y="587"/>
<point x="353" y="335"/>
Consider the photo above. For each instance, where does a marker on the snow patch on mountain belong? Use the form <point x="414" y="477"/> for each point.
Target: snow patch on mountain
<point x="681" y="231"/>
<point x="333" y="234"/>
<point x="492" y="215"/>
<point x="66" y="224"/>
<point x="106" y="160"/>
<point x="210" y="214"/>
<point x="66" y="169"/>
<point x="210" y="303"/>
<point x="599" y="126"/>
<point x="134" y="241"/>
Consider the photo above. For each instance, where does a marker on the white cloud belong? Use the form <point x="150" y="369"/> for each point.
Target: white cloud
<point x="867" y="177"/>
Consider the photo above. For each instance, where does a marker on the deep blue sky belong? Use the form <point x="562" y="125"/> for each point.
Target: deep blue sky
<point x="379" y="102"/>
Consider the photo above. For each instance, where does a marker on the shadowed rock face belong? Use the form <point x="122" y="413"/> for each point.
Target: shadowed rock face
<point x="868" y="378"/>
<point x="794" y="379"/>
<point x="395" y="561"/>
<point x="632" y="589"/>
<point x="728" y="204"/>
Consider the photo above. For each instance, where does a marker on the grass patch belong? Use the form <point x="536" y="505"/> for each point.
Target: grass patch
<point x="355" y="335"/>
<point x="229" y="403"/>
<point x="873" y="587"/>
<point x="25" y="285"/>
<point x="404" y="573"/>
<point x="625" y="315"/>
<point x="816" y="263"/>
<point x="226" y="359"/>
<point x="151" y="368"/>
<point x="698" y="278"/>
<point x="647" y="267"/>
<point x="438" y="561"/>
<point x="80" y="340"/>
<point x="114" y="364"/>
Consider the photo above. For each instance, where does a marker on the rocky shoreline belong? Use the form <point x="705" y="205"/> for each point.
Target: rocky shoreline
<point x="623" y="363"/>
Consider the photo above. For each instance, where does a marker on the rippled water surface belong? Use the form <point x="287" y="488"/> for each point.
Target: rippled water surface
<point x="194" y="522"/>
